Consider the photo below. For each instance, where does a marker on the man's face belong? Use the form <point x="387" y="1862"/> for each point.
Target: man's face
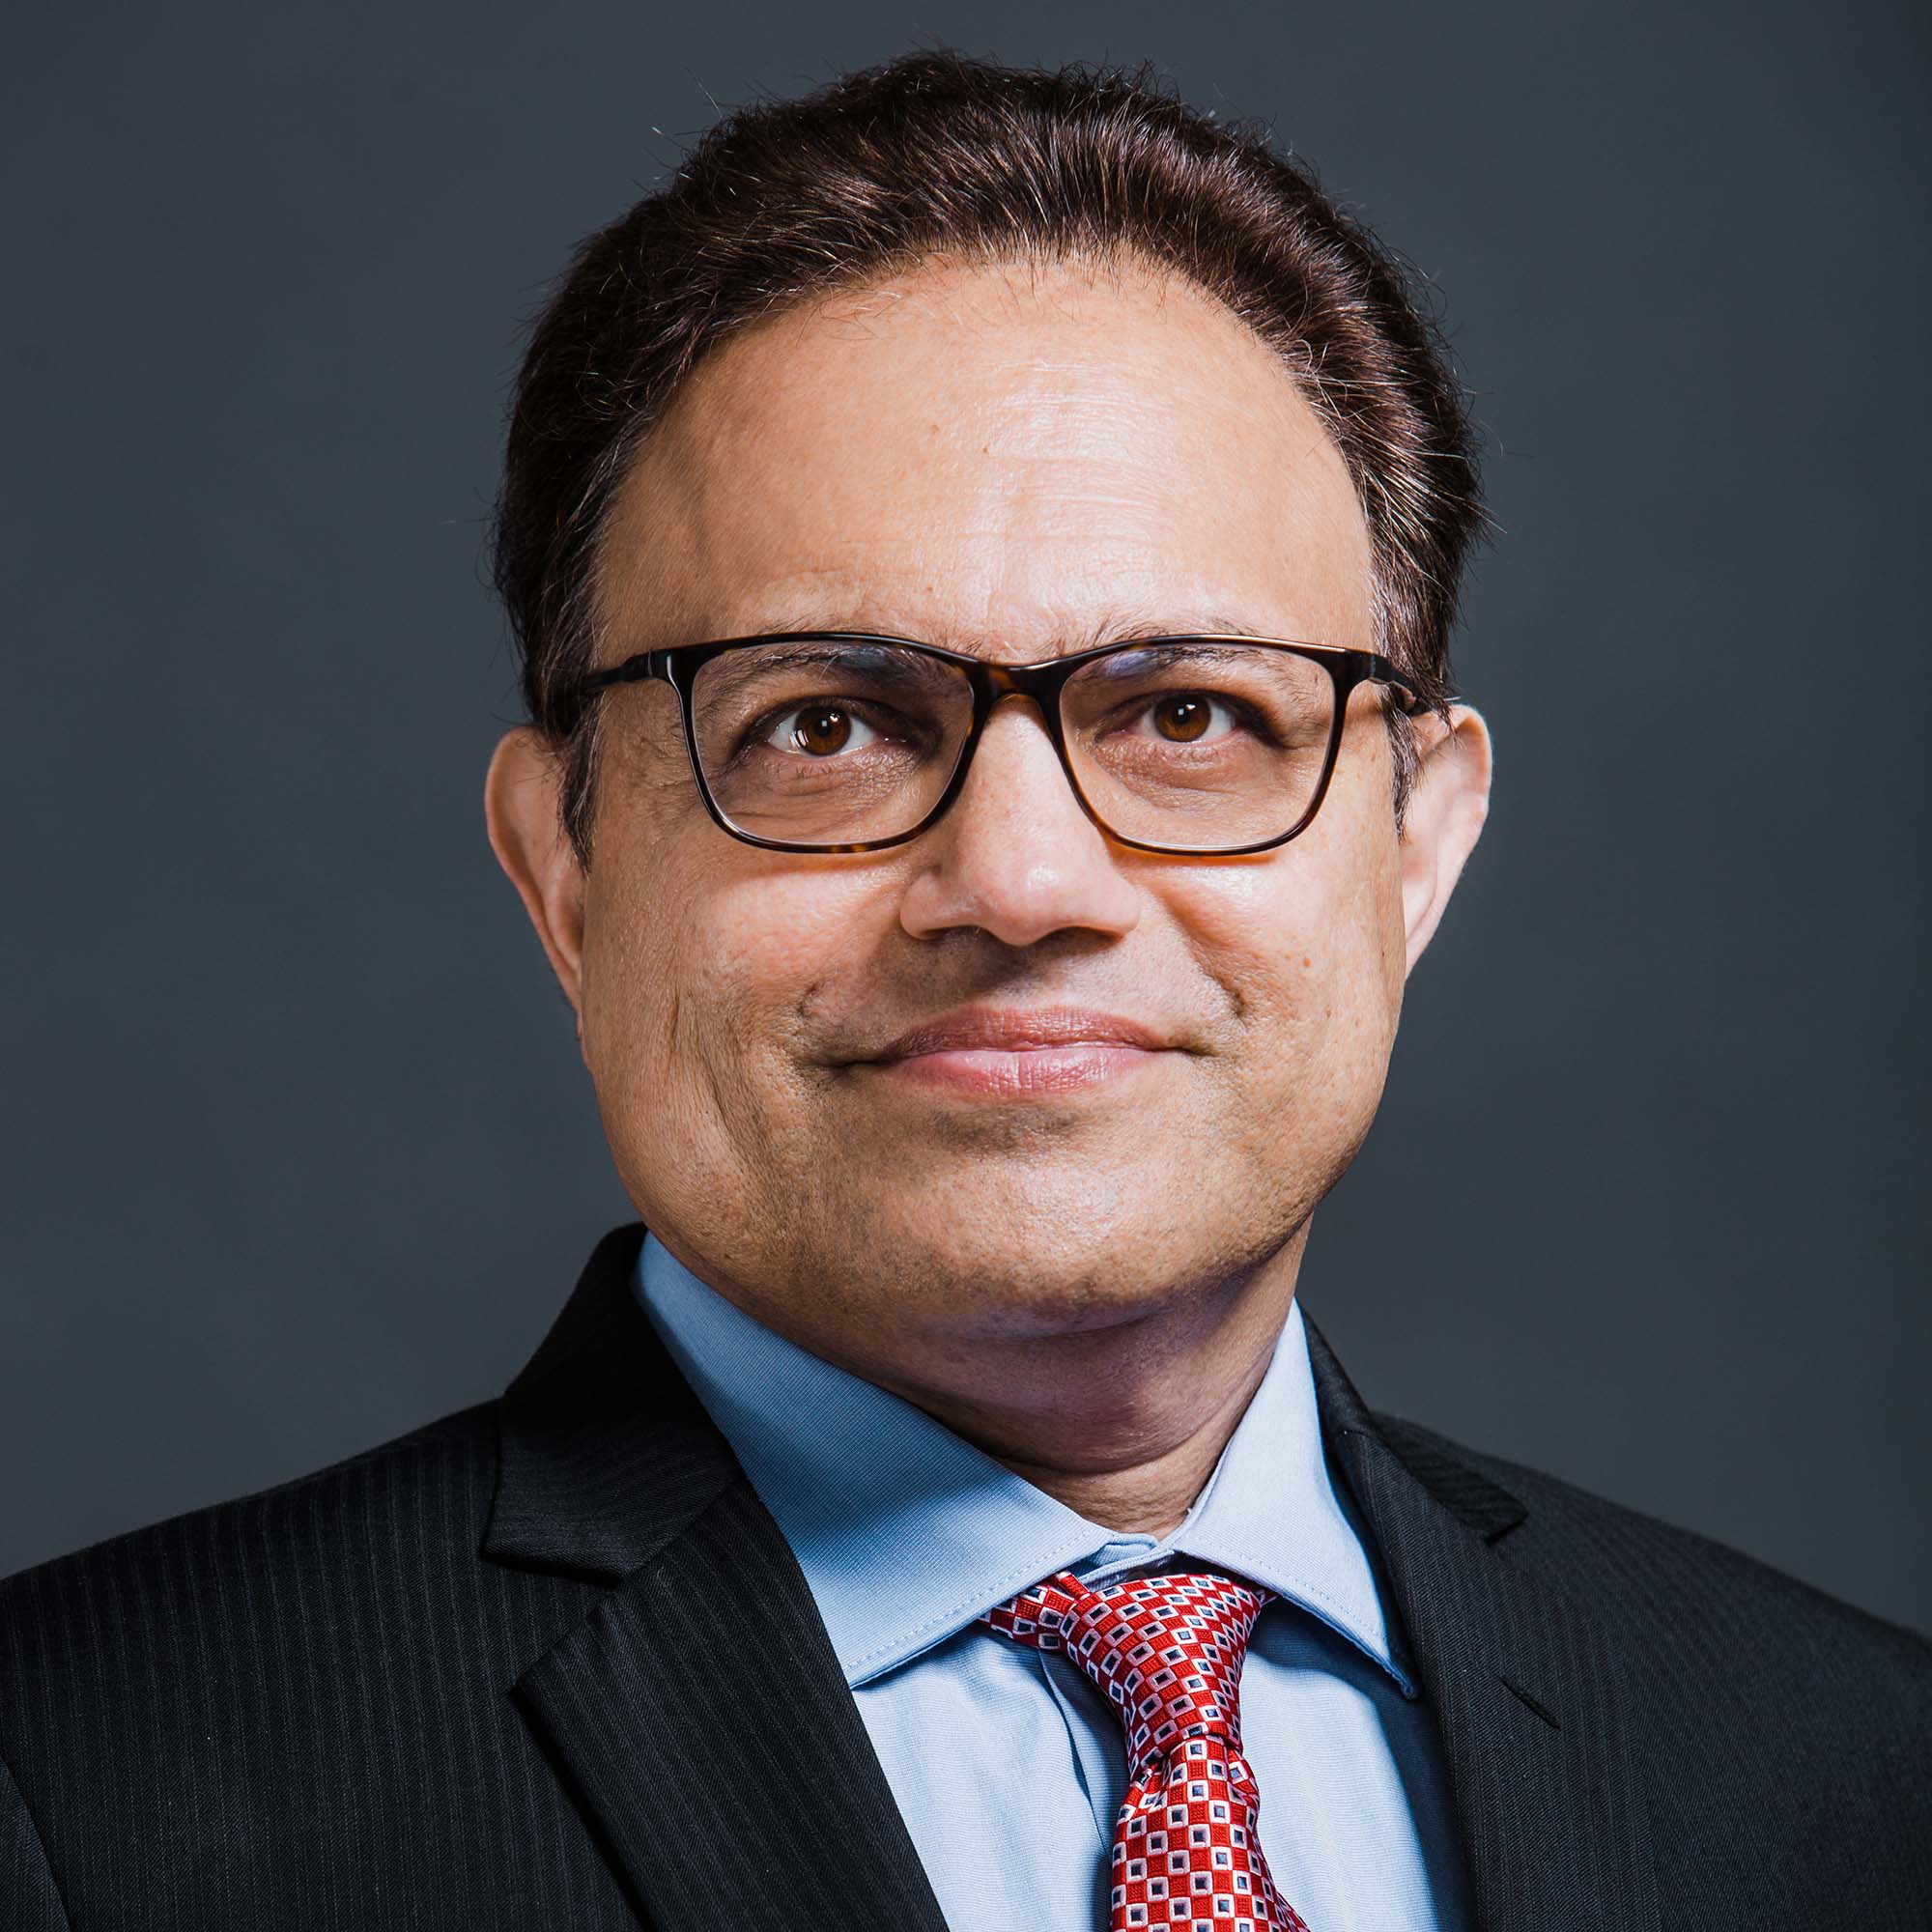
<point x="1016" y="464"/>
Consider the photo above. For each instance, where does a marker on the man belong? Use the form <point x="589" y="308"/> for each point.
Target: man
<point x="984" y="545"/>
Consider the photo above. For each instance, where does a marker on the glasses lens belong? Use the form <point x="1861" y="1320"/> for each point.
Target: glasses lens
<point x="828" y="742"/>
<point x="1199" y="746"/>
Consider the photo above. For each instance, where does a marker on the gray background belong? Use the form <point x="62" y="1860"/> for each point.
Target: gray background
<point x="298" y="1151"/>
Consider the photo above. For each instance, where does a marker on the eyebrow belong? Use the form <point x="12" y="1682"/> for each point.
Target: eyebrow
<point x="1118" y="624"/>
<point x="832" y="656"/>
<point x="1126" y="627"/>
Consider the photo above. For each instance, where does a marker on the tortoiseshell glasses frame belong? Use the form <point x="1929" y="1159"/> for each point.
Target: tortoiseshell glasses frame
<point x="1043" y="682"/>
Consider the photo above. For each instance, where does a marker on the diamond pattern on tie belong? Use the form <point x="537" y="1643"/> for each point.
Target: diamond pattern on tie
<point x="1168" y="1651"/>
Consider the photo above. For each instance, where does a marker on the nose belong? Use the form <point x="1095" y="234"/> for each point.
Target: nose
<point x="1016" y="856"/>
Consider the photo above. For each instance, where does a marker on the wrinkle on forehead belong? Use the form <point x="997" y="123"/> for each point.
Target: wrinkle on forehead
<point x="1005" y="466"/>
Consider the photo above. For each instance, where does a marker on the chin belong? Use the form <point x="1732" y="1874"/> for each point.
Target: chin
<point x="1049" y="1251"/>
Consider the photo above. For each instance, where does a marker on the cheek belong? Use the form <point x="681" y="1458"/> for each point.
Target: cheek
<point x="756" y="949"/>
<point x="1308" y="957"/>
<point x="706" y="951"/>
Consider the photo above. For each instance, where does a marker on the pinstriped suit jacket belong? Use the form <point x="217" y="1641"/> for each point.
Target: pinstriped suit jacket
<point x="548" y="1663"/>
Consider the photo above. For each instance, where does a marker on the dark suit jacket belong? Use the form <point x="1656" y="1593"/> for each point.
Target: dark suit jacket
<point x="548" y="1663"/>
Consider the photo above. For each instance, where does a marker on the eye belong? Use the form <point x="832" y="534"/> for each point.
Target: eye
<point x="1185" y="717"/>
<point x="818" y="731"/>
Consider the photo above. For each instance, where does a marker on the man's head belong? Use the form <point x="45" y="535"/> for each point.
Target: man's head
<point x="1016" y="364"/>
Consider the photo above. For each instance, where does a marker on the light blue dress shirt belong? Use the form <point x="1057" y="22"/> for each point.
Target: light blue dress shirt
<point x="1008" y="1764"/>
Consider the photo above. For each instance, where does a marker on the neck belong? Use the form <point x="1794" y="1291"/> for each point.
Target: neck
<point x="1123" y="1424"/>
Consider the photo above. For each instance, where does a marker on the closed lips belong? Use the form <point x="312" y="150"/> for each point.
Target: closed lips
<point x="1011" y="1032"/>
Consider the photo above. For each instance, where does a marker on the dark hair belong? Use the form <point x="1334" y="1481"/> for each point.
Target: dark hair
<point x="938" y="154"/>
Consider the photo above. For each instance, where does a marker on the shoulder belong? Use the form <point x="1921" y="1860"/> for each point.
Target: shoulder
<point x="222" y="1677"/>
<point x="1728" y="1662"/>
<point x="1631" y="1555"/>
<point x="329" y="1512"/>
<point x="200" y="1599"/>
<point x="299" y="1696"/>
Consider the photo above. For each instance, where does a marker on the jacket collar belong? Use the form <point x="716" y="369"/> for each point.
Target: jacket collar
<point x="658" y="1707"/>
<point x="606" y="1456"/>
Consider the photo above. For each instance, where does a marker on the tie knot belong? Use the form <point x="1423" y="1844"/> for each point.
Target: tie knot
<point x="1167" y="1649"/>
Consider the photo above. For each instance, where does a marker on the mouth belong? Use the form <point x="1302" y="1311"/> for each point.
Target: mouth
<point x="1001" y="1053"/>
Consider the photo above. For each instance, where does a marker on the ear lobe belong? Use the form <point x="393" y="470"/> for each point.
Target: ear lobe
<point x="1446" y="810"/>
<point x="521" y="807"/>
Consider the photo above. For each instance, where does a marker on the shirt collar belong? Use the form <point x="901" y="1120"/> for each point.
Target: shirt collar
<point x="906" y="1532"/>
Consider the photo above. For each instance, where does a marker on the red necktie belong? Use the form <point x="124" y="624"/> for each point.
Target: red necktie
<point x="1168" y="1650"/>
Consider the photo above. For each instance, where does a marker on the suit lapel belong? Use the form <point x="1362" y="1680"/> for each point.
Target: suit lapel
<point x="1521" y="1680"/>
<point x="699" y="1714"/>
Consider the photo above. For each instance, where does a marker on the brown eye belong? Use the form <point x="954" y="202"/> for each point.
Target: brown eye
<point x="1182" y="719"/>
<point x="821" y="730"/>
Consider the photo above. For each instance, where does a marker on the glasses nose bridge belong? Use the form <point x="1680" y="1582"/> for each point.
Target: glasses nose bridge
<point x="1042" y="683"/>
<point x="995" y="683"/>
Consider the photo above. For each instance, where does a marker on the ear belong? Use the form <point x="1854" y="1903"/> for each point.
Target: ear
<point x="522" y="808"/>
<point x="1446" y="810"/>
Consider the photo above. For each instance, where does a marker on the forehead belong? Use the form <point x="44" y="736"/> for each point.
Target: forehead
<point x="1018" y="461"/>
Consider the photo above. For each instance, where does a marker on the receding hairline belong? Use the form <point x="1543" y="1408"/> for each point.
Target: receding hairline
<point x="1115" y="264"/>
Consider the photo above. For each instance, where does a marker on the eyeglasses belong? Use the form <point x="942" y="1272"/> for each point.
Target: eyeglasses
<point x="850" y="741"/>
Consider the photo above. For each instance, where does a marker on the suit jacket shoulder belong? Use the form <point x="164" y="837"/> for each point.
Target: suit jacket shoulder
<point x="1778" y="1725"/>
<point x="286" y="1705"/>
